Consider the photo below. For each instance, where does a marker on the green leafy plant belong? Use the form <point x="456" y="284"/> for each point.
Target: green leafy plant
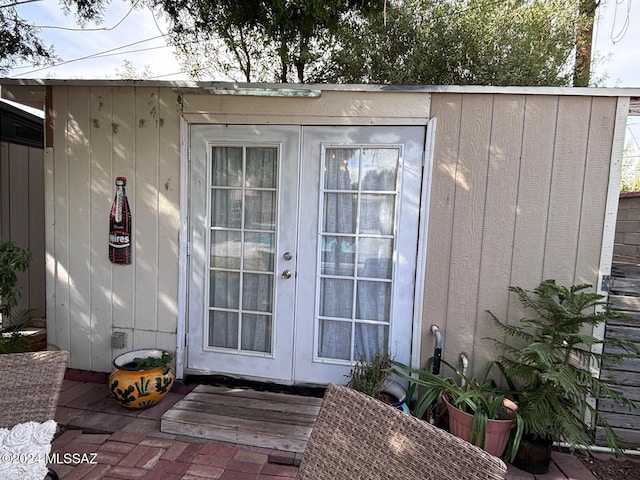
<point x="13" y="260"/>
<point x="11" y="338"/>
<point x="147" y="363"/>
<point x="546" y="359"/>
<point x="479" y="397"/>
<point x="369" y="377"/>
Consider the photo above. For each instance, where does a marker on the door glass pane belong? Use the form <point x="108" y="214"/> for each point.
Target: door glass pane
<point x="225" y="249"/>
<point x="336" y="298"/>
<point x="341" y="168"/>
<point x="357" y="242"/>
<point x="223" y="329"/>
<point x="257" y="292"/>
<point x="256" y="332"/>
<point x="334" y="340"/>
<point x="224" y="289"/>
<point x="379" y="169"/>
<point x="338" y="255"/>
<point x="260" y="210"/>
<point x="261" y="167"/>
<point x="226" y="168"/>
<point x="340" y="213"/>
<point x="259" y="251"/>
<point x="243" y="238"/>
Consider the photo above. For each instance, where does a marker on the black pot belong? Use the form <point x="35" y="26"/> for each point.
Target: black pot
<point x="534" y="455"/>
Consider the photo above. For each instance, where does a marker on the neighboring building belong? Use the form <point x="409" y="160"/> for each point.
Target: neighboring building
<point x="22" y="196"/>
<point x="282" y="230"/>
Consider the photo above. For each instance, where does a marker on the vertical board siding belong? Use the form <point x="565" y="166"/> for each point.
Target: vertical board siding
<point x="22" y="216"/>
<point x="101" y="133"/>
<point x="168" y="216"/>
<point x="101" y="191"/>
<point x="528" y="179"/>
<point x="123" y="165"/>
<point x="146" y="200"/>
<point x="507" y="124"/>
<point x="567" y="186"/>
<point x="468" y="221"/>
<point x="442" y="204"/>
<point x="595" y="191"/>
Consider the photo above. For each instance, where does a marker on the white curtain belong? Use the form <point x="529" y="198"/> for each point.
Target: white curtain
<point x="357" y="249"/>
<point x="243" y="213"/>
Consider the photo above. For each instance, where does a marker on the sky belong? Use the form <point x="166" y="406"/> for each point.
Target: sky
<point x="99" y="51"/>
<point x="135" y="35"/>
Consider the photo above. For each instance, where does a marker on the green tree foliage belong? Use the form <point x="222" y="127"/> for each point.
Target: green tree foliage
<point x="468" y="42"/>
<point x="19" y="40"/>
<point x="266" y="40"/>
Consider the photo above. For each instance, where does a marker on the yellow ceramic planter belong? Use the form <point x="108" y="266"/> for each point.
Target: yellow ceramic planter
<point x="136" y="386"/>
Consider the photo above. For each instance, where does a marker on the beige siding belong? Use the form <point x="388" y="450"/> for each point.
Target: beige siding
<point x="519" y="194"/>
<point x="100" y="133"/>
<point x="22" y="216"/>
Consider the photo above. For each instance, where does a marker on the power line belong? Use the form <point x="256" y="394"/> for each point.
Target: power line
<point x="93" y="55"/>
<point x="101" y="29"/>
<point x="615" y="38"/>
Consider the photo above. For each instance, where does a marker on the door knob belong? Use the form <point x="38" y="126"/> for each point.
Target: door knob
<point x="286" y="274"/>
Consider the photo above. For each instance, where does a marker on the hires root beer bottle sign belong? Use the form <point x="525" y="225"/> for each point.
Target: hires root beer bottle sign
<point x="120" y="226"/>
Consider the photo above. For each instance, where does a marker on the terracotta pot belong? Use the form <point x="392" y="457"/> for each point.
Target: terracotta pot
<point x="496" y="435"/>
<point x="136" y="387"/>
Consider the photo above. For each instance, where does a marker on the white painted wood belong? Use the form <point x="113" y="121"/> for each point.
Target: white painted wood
<point x="123" y="164"/>
<point x="423" y="237"/>
<point x="183" y="260"/>
<point x="78" y="246"/>
<point x="100" y="162"/>
<point x="308" y="368"/>
<point x="202" y="358"/>
<point x="168" y="212"/>
<point x="145" y="211"/>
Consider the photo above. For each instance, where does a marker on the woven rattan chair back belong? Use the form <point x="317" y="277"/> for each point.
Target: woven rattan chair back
<point x="359" y="438"/>
<point x="31" y="384"/>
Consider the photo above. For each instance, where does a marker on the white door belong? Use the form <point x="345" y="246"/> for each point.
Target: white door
<point x="303" y="245"/>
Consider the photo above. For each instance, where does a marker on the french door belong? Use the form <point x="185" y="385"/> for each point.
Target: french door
<point x="303" y="246"/>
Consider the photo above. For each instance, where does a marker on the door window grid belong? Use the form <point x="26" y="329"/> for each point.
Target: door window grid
<point x="242" y="238"/>
<point x="357" y="236"/>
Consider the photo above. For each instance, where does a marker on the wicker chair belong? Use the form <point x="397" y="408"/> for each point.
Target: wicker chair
<point x="357" y="437"/>
<point x="31" y="384"/>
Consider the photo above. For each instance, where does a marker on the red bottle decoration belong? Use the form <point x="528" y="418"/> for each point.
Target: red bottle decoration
<point x="120" y="226"/>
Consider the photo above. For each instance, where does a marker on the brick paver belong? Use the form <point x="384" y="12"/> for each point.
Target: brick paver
<point x="129" y="445"/>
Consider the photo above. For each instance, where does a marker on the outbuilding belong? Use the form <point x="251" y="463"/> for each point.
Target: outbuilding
<point x="282" y="232"/>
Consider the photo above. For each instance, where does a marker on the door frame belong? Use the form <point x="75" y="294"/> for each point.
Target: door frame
<point x="184" y="243"/>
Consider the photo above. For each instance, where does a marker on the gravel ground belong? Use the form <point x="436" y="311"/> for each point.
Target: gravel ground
<point x="608" y="467"/>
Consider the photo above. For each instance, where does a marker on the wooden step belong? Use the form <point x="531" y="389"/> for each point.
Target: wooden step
<point x="242" y="416"/>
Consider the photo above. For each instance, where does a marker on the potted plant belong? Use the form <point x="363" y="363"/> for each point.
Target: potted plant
<point x="13" y="260"/>
<point x="546" y="359"/>
<point x="373" y="378"/>
<point x="479" y="412"/>
<point x="141" y="378"/>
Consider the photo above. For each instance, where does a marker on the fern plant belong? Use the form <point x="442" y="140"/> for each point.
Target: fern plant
<point x="546" y="359"/>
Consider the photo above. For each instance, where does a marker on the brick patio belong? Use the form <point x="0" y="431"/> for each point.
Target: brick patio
<point x="128" y="444"/>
